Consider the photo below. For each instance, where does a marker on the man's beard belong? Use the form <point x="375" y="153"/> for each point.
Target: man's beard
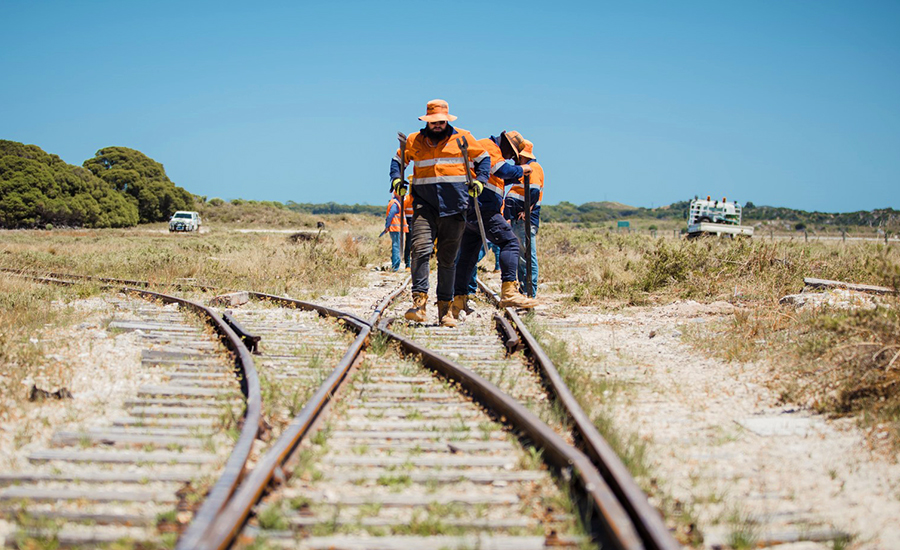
<point x="438" y="136"/>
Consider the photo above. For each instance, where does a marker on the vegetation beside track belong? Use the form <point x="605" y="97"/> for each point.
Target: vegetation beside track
<point x="270" y="262"/>
<point x="841" y="362"/>
<point x="28" y="320"/>
<point x="591" y="266"/>
<point x="220" y="256"/>
<point x="596" y="396"/>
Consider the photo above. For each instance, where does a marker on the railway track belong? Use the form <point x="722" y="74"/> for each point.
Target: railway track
<point x="434" y="438"/>
<point x="140" y="475"/>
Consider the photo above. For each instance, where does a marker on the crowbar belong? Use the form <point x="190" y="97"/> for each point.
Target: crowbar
<point x="464" y="147"/>
<point x="402" y="138"/>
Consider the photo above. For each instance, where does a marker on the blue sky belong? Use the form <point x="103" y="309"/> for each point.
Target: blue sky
<point x="787" y="103"/>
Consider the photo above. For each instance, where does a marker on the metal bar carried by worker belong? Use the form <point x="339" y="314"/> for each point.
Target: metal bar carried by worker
<point x="529" y="288"/>
<point x="464" y="148"/>
<point x="402" y="138"/>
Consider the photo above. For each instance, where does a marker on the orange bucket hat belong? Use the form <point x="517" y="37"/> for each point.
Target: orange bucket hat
<point x="437" y="110"/>
<point x="527" y="150"/>
<point x="520" y="144"/>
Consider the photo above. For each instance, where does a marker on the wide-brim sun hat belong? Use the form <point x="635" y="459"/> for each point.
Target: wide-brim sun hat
<point x="507" y="148"/>
<point x="436" y="111"/>
<point x="527" y="150"/>
<point x="518" y="142"/>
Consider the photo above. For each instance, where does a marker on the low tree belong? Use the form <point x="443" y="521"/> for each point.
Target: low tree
<point x="143" y="179"/>
<point x="37" y="188"/>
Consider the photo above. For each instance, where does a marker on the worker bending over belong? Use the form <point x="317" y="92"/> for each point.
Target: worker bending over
<point x="515" y="210"/>
<point x="496" y="228"/>
<point x="440" y="197"/>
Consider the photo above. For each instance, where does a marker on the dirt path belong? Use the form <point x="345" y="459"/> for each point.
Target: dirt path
<point x="747" y="468"/>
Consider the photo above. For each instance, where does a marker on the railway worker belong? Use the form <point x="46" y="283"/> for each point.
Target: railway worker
<point x="515" y="210"/>
<point x="496" y="229"/>
<point x="439" y="200"/>
<point x="392" y="228"/>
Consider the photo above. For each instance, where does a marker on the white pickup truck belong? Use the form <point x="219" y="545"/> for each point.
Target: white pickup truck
<point x="185" y="221"/>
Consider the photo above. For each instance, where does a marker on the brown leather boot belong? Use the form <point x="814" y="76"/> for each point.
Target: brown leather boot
<point x="444" y="315"/>
<point x="417" y="312"/>
<point x="458" y="306"/>
<point x="511" y="297"/>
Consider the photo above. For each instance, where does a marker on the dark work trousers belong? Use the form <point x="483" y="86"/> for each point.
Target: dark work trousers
<point x="498" y="232"/>
<point x="428" y="225"/>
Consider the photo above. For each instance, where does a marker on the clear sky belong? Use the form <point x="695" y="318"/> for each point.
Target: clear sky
<point x="784" y="103"/>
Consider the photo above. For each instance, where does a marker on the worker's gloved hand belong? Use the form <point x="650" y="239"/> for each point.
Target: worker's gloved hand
<point x="399" y="186"/>
<point x="476" y="188"/>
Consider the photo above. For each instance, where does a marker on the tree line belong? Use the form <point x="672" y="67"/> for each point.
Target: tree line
<point x="118" y="187"/>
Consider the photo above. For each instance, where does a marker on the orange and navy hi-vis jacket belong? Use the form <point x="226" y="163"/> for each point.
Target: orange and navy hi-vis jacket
<point x="515" y="199"/>
<point x="492" y="198"/>
<point x="439" y="173"/>
<point x="407" y="204"/>
<point x="392" y="216"/>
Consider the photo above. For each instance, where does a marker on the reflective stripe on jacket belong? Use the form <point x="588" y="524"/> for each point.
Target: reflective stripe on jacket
<point x="407" y="205"/>
<point x="515" y="199"/>
<point x="439" y="173"/>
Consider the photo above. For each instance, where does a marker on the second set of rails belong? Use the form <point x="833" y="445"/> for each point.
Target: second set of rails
<point x="383" y="434"/>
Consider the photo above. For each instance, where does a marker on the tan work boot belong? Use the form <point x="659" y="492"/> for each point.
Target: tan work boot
<point x="459" y="305"/>
<point x="417" y="312"/>
<point x="444" y="316"/>
<point x="511" y="297"/>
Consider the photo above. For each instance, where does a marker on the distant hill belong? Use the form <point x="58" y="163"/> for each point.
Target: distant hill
<point x="604" y="212"/>
<point x="599" y="212"/>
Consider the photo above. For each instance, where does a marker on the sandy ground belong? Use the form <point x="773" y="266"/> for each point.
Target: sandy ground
<point x="720" y="443"/>
<point x="102" y="368"/>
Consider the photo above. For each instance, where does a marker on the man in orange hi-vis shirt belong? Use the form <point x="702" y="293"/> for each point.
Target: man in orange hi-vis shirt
<point x="514" y="211"/>
<point x="440" y="198"/>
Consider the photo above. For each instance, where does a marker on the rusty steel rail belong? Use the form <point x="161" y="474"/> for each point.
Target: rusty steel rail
<point x="54" y="276"/>
<point x="309" y="306"/>
<point x="221" y="533"/>
<point x="245" y="369"/>
<point x="646" y="519"/>
<point x="234" y="468"/>
<point x="617" y="528"/>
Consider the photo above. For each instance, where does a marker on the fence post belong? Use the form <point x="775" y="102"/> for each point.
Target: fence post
<point x="805" y="236"/>
<point x="843" y="235"/>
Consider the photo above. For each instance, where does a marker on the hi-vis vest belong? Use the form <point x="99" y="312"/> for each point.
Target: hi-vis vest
<point x="517" y="191"/>
<point x="395" y="221"/>
<point x="407" y="203"/>
<point x="494" y="183"/>
<point x="441" y="164"/>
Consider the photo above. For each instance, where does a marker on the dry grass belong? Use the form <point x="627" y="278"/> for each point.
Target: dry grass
<point x="222" y="257"/>
<point x="27" y="317"/>
<point x="268" y="262"/>
<point x="597" y="397"/>
<point x="595" y="266"/>
<point x="837" y="361"/>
